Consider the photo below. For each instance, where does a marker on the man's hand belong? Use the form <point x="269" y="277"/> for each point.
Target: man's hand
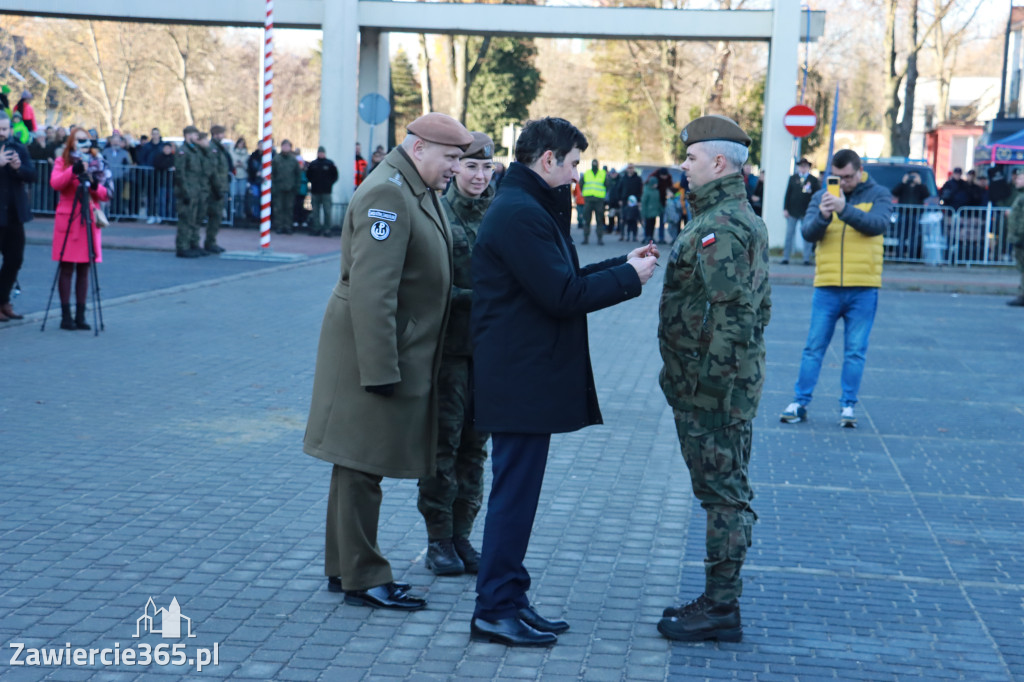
<point x="785" y="213"/>
<point x="831" y="203"/>
<point x="5" y="157"/>
<point x="644" y="251"/>
<point x="644" y="266"/>
<point x="13" y="160"/>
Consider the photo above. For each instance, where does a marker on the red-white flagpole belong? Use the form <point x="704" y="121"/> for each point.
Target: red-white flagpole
<point x="267" y="137"/>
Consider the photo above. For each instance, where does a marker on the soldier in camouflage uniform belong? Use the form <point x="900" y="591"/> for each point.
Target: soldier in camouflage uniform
<point x="205" y="189"/>
<point x="450" y="499"/>
<point x="1015" y="231"/>
<point x="284" y="185"/>
<point x="714" y="307"/>
<point x="190" y="179"/>
<point x="220" y="186"/>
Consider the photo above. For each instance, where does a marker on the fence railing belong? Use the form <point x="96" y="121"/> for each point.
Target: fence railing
<point x="938" y="235"/>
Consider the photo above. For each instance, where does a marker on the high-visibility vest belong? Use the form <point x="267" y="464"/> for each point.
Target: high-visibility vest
<point x="593" y="183"/>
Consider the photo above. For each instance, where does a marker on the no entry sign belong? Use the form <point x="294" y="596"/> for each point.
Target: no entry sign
<point x="800" y="120"/>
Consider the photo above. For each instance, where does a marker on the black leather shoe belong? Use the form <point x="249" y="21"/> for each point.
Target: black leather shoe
<point x="703" y="619"/>
<point x="186" y="253"/>
<point x="442" y="559"/>
<point x="470" y="557"/>
<point x="214" y="248"/>
<point x="388" y="596"/>
<point x="541" y="624"/>
<point x="510" y="632"/>
<point x="334" y="585"/>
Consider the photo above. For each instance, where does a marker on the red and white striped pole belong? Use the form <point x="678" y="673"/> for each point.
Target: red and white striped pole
<point x="267" y="137"/>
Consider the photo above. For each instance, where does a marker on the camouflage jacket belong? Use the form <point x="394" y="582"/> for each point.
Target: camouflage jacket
<point x="284" y="170"/>
<point x="464" y="216"/>
<point x="190" y="174"/>
<point x="714" y="306"/>
<point x="1015" y="219"/>
<point x="220" y="168"/>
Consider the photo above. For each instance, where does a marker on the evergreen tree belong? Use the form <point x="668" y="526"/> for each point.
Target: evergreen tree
<point x="405" y="94"/>
<point x="506" y="85"/>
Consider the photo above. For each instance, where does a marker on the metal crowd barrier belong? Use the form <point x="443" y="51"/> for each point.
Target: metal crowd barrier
<point x="918" y="234"/>
<point x="137" y="193"/>
<point x="980" y="236"/>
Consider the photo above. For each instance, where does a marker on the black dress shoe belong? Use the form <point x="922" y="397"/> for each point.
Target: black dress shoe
<point x="186" y="253"/>
<point x="470" y="557"/>
<point x="334" y="585"/>
<point x="388" y="596"/>
<point x="541" y="624"/>
<point x="442" y="559"/>
<point x="510" y="632"/>
<point x="214" y="248"/>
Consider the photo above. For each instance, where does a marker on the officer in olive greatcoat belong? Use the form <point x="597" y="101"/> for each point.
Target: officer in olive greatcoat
<point x="714" y="306"/>
<point x="374" y="410"/>
<point x="450" y="499"/>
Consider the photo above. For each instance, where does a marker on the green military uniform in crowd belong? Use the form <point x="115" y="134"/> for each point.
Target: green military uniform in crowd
<point x="450" y="500"/>
<point x="714" y="307"/>
<point x="594" y="193"/>
<point x="190" y="181"/>
<point x="220" y="187"/>
<point x="285" y="174"/>
<point x="1015" y="234"/>
<point x="204" y="191"/>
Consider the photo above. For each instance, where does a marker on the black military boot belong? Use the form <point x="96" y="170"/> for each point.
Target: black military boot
<point x="470" y="557"/>
<point x="66" y="321"/>
<point x="442" y="559"/>
<point x="703" y="619"/>
<point x="80" y="322"/>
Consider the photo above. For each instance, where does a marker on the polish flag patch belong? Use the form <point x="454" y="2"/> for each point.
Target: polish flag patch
<point x="708" y="240"/>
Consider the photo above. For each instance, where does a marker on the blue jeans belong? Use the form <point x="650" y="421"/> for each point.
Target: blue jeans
<point x="856" y="306"/>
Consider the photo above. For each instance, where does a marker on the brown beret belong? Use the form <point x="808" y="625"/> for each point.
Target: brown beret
<point x="441" y="129"/>
<point x="189" y="129"/>
<point x="482" y="147"/>
<point x="713" y="127"/>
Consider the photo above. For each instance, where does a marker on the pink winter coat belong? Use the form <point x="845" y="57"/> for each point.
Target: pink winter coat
<point x="77" y="248"/>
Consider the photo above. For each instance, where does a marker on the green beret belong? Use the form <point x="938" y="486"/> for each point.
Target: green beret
<point x="482" y="147"/>
<point x="714" y="127"/>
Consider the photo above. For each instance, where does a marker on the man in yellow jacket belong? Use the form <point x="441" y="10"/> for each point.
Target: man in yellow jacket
<point x="595" y="189"/>
<point x="848" y="224"/>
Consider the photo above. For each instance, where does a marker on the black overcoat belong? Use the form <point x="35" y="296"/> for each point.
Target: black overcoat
<point x="532" y="369"/>
<point x="12" y="184"/>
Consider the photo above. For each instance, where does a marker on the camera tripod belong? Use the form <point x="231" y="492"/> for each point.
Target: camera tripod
<point x="82" y="202"/>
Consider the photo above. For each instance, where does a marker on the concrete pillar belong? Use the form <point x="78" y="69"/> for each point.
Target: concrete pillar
<point x="339" y="90"/>
<point x="374" y="76"/>
<point x="780" y="95"/>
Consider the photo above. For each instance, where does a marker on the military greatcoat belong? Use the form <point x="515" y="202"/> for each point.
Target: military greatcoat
<point x="384" y="324"/>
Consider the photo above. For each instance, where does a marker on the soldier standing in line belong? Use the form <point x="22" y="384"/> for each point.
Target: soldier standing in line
<point x="220" y="185"/>
<point x="450" y="499"/>
<point x="285" y="173"/>
<point x="714" y="307"/>
<point x="189" y="179"/>
<point x="1015" y="232"/>
<point x="205" y="189"/>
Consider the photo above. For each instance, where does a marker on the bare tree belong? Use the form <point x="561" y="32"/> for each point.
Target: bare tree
<point x="946" y="45"/>
<point x="426" y="92"/>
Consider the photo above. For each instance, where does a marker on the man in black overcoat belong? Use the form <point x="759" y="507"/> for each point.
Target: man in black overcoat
<point x="532" y="374"/>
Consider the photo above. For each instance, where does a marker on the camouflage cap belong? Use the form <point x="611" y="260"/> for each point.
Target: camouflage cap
<point x="714" y="127"/>
<point x="441" y="129"/>
<point x="482" y="147"/>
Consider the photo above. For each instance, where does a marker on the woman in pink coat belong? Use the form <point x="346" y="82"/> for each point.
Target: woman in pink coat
<point x="70" y="239"/>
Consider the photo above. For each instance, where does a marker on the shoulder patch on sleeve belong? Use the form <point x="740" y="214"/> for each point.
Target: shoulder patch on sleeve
<point x="381" y="215"/>
<point x="380" y="230"/>
<point x="707" y="240"/>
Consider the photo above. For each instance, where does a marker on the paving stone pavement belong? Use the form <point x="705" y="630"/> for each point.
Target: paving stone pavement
<point x="163" y="460"/>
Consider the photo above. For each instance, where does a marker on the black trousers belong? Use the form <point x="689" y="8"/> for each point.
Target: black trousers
<point x="12" y="248"/>
<point x="517" y="462"/>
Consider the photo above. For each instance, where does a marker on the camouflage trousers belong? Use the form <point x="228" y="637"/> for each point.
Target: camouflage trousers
<point x="1018" y="254"/>
<point x="214" y="216"/>
<point x="450" y="499"/>
<point x="282" y="211"/>
<point x="718" y="462"/>
<point x="188" y="223"/>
